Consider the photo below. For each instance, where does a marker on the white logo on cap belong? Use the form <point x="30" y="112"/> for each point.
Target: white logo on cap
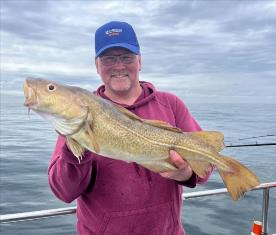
<point x="113" y="32"/>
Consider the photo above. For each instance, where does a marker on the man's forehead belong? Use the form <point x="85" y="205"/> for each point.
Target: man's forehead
<point x="116" y="50"/>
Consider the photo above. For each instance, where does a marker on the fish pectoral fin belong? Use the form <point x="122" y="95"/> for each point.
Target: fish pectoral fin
<point x="89" y="131"/>
<point x="201" y="168"/>
<point x="92" y="137"/>
<point x="75" y="147"/>
<point x="162" y="125"/>
<point x="213" y="138"/>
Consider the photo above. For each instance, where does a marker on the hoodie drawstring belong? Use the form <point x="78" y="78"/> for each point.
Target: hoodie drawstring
<point x="138" y="171"/>
<point x="148" y="173"/>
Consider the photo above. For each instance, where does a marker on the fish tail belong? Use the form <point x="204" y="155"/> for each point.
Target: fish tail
<point x="239" y="179"/>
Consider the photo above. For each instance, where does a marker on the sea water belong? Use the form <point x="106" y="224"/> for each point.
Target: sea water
<point x="27" y="142"/>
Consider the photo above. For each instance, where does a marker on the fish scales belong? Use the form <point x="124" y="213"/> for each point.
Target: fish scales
<point x="90" y="122"/>
<point x="133" y="140"/>
<point x="129" y="137"/>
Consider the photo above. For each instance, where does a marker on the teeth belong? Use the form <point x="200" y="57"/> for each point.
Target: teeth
<point x="119" y="76"/>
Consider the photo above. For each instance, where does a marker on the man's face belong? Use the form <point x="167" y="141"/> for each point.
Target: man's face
<point x="119" y="74"/>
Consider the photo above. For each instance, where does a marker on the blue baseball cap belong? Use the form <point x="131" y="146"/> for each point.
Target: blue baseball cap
<point x="116" y="34"/>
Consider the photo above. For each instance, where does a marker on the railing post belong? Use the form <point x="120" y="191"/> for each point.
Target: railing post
<point x="265" y="210"/>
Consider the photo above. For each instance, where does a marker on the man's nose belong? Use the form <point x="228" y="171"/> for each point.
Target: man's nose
<point x="118" y="62"/>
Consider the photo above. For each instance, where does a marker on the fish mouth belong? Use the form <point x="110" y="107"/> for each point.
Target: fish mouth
<point x="30" y="95"/>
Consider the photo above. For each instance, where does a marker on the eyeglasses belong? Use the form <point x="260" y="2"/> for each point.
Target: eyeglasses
<point x="109" y="60"/>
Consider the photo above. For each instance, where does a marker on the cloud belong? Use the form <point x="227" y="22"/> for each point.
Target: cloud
<point x="188" y="41"/>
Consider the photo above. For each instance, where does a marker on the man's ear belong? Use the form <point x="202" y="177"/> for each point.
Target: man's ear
<point x="140" y="62"/>
<point x="97" y="65"/>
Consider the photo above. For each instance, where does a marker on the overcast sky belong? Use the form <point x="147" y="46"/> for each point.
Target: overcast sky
<point x="215" y="45"/>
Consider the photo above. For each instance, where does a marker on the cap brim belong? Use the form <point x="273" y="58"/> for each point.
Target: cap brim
<point x="130" y="47"/>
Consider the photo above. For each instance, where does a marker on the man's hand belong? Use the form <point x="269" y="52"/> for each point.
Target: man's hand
<point x="183" y="172"/>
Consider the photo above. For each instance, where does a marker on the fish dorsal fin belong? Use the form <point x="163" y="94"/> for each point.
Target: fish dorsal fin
<point x="128" y="113"/>
<point x="213" y="138"/>
<point x="155" y="123"/>
<point x="75" y="148"/>
<point x="162" y="125"/>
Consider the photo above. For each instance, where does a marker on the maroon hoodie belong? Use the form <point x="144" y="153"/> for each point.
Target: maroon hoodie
<point x="116" y="197"/>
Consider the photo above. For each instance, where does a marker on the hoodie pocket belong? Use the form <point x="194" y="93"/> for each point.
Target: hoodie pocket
<point x="152" y="220"/>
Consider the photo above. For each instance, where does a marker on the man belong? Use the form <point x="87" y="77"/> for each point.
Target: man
<point x="115" y="197"/>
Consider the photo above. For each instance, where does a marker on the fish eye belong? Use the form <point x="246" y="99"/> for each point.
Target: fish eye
<point x="51" y="87"/>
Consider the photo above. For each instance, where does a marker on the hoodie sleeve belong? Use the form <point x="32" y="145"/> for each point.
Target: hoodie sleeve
<point x="186" y="122"/>
<point x="66" y="176"/>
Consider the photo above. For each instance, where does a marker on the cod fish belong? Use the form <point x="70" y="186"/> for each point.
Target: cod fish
<point x="90" y="122"/>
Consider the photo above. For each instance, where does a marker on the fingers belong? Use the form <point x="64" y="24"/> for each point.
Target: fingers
<point x="179" y="175"/>
<point x="183" y="172"/>
<point x="167" y="174"/>
<point x="177" y="160"/>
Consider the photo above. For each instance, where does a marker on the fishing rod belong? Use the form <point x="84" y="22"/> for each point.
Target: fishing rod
<point x="255" y="137"/>
<point x="249" y="145"/>
<point x="254" y="144"/>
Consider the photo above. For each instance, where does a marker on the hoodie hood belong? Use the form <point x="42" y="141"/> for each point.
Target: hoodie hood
<point x="148" y="93"/>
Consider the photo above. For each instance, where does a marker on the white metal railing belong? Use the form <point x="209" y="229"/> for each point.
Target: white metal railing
<point x="9" y="218"/>
<point x="32" y="215"/>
